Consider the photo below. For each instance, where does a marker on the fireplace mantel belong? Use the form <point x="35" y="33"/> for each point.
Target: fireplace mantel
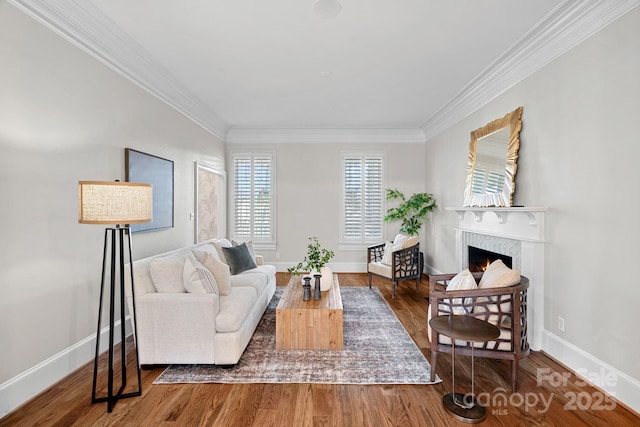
<point x="533" y="213"/>
<point x="522" y="223"/>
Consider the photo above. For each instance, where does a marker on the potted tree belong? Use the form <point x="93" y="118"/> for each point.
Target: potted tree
<point x="315" y="263"/>
<point x="411" y="211"/>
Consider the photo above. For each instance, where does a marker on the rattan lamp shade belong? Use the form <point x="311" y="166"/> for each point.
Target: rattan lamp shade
<point x="107" y="202"/>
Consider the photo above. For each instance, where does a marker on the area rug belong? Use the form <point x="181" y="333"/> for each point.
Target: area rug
<point x="377" y="350"/>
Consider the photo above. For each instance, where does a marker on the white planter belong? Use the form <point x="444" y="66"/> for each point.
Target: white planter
<point x="326" y="281"/>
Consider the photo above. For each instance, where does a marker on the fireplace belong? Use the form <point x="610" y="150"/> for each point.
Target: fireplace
<point x="479" y="259"/>
<point x="516" y="233"/>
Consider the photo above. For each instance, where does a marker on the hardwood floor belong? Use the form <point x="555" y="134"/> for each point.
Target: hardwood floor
<point x="67" y="403"/>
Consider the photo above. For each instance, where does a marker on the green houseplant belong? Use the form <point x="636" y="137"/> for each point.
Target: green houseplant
<point x="411" y="211"/>
<point x="316" y="258"/>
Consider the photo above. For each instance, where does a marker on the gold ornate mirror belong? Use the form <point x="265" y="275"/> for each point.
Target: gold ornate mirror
<point x="492" y="163"/>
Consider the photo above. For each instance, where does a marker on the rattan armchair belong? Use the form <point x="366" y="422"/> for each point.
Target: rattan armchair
<point x="504" y="307"/>
<point x="405" y="265"/>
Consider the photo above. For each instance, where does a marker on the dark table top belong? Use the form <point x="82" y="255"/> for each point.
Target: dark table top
<point x="465" y="328"/>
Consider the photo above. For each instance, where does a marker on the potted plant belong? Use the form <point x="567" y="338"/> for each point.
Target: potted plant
<point x="412" y="212"/>
<point x="315" y="263"/>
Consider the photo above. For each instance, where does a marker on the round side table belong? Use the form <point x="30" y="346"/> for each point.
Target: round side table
<point x="464" y="407"/>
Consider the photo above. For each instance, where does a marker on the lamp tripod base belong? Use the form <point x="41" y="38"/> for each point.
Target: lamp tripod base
<point x="113" y="278"/>
<point x="464" y="407"/>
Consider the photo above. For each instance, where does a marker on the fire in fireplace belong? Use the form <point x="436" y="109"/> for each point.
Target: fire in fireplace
<point x="479" y="259"/>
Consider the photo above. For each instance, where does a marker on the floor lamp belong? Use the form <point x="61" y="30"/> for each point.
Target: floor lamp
<point x="119" y="203"/>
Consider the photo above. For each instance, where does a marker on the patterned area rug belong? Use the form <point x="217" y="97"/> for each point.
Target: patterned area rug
<point x="377" y="350"/>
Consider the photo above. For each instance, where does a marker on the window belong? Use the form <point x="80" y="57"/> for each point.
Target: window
<point x="253" y="193"/>
<point x="363" y="198"/>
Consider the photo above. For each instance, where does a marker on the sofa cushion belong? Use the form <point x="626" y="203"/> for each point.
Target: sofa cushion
<point x="166" y="273"/>
<point x="251" y="278"/>
<point x="220" y="272"/>
<point x="197" y="279"/>
<point x="235" y="308"/>
<point x="239" y="259"/>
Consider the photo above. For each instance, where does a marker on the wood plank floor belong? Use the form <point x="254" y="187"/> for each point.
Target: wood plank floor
<point x="67" y="403"/>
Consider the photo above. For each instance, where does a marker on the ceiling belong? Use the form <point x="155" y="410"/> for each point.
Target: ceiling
<point x="252" y="69"/>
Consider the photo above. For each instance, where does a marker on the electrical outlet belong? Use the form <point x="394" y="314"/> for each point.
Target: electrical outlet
<point x="277" y="255"/>
<point x="561" y="323"/>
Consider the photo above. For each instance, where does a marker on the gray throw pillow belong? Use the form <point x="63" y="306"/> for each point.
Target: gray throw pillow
<point x="239" y="258"/>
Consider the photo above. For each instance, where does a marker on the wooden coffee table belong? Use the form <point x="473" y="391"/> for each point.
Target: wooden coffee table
<point x="309" y="325"/>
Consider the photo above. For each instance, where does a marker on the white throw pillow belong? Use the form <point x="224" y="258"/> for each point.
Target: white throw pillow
<point x="220" y="271"/>
<point x="389" y="249"/>
<point x="166" y="273"/>
<point x="498" y="275"/>
<point x="197" y="279"/>
<point x="410" y="242"/>
<point x="400" y="239"/>
<point x="200" y="251"/>
<point x="219" y="244"/>
<point x="462" y="281"/>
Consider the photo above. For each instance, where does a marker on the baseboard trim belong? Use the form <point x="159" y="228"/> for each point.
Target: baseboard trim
<point x="601" y="375"/>
<point x="30" y="383"/>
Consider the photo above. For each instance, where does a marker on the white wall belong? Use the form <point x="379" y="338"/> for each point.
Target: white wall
<point x="65" y="117"/>
<point x="579" y="157"/>
<point x="308" y="189"/>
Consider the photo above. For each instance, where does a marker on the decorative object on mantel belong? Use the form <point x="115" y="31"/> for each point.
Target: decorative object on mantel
<point x="116" y="203"/>
<point x="315" y="263"/>
<point x="492" y="162"/>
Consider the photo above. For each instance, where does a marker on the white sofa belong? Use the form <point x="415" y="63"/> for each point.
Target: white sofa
<point x="197" y="328"/>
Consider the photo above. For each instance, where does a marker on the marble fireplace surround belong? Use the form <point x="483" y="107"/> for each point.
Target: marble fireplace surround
<point x="517" y="232"/>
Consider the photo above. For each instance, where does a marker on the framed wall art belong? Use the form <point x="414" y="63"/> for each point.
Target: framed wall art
<point x="210" y="203"/>
<point x="154" y="170"/>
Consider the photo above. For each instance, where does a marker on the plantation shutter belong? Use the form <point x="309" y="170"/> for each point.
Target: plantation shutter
<point x="495" y="182"/>
<point x="363" y="202"/>
<point x="477" y="185"/>
<point x="262" y="218"/>
<point x="253" y="213"/>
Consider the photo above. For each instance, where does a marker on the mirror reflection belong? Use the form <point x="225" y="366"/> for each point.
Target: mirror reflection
<point x="492" y="162"/>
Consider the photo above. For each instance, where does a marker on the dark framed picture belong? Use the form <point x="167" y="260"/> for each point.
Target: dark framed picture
<point x="154" y="170"/>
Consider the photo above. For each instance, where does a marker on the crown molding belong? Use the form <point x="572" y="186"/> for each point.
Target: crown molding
<point x="284" y="136"/>
<point x="84" y="25"/>
<point x="563" y="28"/>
